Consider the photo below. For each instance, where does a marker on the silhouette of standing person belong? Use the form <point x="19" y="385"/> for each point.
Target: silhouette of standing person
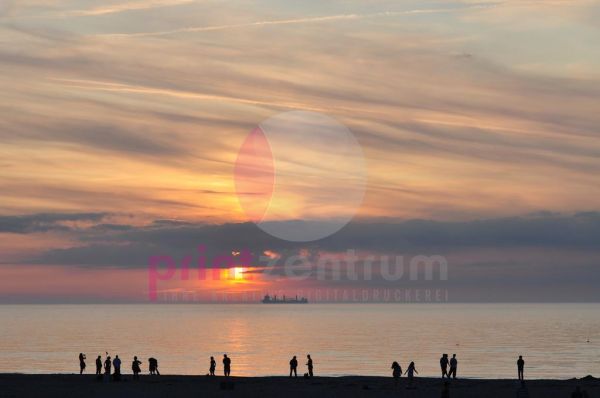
<point x="309" y="363"/>
<point x="411" y="371"/>
<point x="107" y="366"/>
<point x="294" y="366"/>
<point x="81" y="362"/>
<point x="99" y="365"/>
<point x="213" y="366"/>
<point x="444" y="365"/>
<point x="396" y="371"/>
<point x="226" y="365"/>
<point x="520" y="367"/>
<point x="135" y="368"/>
<point x="453" y="367"/>
<point x="117" y="366"/>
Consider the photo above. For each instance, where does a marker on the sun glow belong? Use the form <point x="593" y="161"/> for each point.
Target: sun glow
<point x="238" y="273"/>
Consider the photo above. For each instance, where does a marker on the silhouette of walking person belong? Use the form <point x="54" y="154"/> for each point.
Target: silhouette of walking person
<point x="520" y="367"/>
<point x="226" y="365"/>
<point x="81" y="362"/>
<point x="135" y="368"/>
<point x="410" y="372"/>
<point x="213" y="366"/>
<point x="309" y="363"/>
<point x="294" y="366"/>
<point x="396" y="371"/>
<point x="117" y="366"/>
<point x="99" y="365"/>
<point x="153" y="366"/>
<point x="453" y="367"/>
<point x="444" y="365"/>
<point x="107" y="365"/>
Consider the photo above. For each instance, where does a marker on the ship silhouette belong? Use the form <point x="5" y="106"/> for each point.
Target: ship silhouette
<point x="274" y="300"/>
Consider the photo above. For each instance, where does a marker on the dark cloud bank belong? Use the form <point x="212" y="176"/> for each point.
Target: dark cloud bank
<point x="128" y="245"/>
<point x="538" y="257"/>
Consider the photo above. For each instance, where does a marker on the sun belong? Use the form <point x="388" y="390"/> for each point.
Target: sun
<point x="238" y="273"/>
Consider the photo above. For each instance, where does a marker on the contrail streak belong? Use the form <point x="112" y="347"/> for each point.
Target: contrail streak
<point x="295" y="21"/>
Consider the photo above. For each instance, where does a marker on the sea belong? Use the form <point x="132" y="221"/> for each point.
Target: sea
<point x="557" y="341"/>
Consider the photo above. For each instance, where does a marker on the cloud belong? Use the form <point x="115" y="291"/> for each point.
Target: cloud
<point x="127" y="6"/>
<point x="44" y="222"/>
<point x="131" y="246"/>
<point x="7" y="8"/>
<point x="292" y="21"/>
<point x="445" y="137"/>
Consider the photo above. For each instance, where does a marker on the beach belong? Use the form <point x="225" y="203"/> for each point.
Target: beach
<point x="62" y="385"/>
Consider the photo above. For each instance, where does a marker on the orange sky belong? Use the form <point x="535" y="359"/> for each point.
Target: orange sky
<point x="463" y="110"/>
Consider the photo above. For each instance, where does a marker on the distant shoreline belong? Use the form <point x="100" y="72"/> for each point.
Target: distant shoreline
<point x="66" y="385"/>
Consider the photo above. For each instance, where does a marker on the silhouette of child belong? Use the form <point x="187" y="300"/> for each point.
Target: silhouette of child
<point x="213" y="366"/>
<point x="411" y="371"/>
<point x="396" y="370"/>
<point x="135" y="368"/>
<point x="81" y="362"/>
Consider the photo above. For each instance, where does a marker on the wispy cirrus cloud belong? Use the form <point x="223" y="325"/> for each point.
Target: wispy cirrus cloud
<point x="309" y="20"/>
<point x="126" y="6"/>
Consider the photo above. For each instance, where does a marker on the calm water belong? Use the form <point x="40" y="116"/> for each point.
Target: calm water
<point x="342" y="338"/>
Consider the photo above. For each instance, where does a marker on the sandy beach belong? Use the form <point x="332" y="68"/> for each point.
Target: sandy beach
<point x="20" y="385"/>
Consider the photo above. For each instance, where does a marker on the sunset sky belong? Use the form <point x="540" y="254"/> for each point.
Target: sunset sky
<point x="121" y="122"/>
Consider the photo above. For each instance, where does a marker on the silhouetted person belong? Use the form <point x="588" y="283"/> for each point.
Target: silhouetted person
<point x="445" y="390"/>
<point x="153" y="366"/>
<point x="99" y="365"/>
<point x="81" y="362"/>
<point x="309" y="363"/>
<point x="410" y="372"/>
<point x="294" y="366"/>
<point x="578" y="393"/>
<point x="453" y="367"/>
<point x="117" y="366"/>
<point x="226" y="365"/>
<point x="520" y="367"/>
<point x="396" y="371"/>
<point x="107" y="366"/>
<point x="444" y="365"/>
<point x="213" y="366"/>
<point x="522" y="392"/>
<point x="135" y="368"/>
